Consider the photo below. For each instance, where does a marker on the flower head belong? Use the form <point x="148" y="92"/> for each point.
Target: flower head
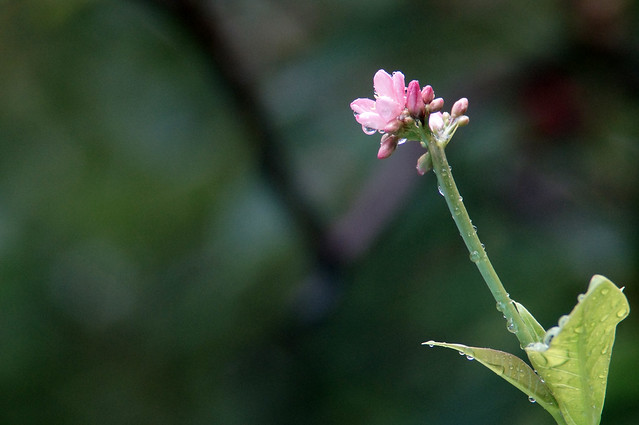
<point x="404" y="113"/>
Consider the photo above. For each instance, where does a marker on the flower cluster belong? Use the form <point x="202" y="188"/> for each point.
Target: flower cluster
<point x="398" y="111"/>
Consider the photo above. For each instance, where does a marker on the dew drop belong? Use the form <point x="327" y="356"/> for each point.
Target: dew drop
<point x="604" y="291"/>
<point x="532" y="399"/>
<point x="474" y="256"/>
<point x="461" y="353"/>
<point x="500" y="306"/>
<point x="457" y="211"/>
<point x="563" y="320"/>
<point x="469" y="357"/>
<point x="440" y="190"/>
<point x="510" y="325"/>
<point x="581" y="297"/>
<point x="369" y="131"/>
<point x="622" y="312"/>
<point x="431" y="345"/>
<point x="550" y="334"/>
<point x="401" y="141"/>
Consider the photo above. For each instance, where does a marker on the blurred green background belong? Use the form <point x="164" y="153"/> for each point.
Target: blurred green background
<point x="195" y="230"/>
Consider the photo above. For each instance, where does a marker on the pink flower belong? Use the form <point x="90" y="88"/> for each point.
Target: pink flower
<point x="389" y="103"/>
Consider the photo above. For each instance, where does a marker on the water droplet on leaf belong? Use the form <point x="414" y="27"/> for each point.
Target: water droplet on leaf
<point x="532" y="399"/>
<point x="469" y="357"/>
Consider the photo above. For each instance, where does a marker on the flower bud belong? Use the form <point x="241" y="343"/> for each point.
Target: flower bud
<point x="414" y="101"/>
<point x="436" y="122"/>
<point x="428" y="94"/>
<point x="462" y="121"/>
<point x="393" y="126"/>
<point x="387" y="146"/>
<point x="459" y="108"/>
<point x="435" y="105"/>
<point x="424" y="164"/>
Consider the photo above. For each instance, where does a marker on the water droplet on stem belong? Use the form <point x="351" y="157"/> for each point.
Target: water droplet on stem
<point x="475" y="256"/>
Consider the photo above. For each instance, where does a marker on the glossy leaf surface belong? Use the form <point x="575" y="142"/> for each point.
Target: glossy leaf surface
<point x="512" y="369"/>
<point x="574" y="358"/>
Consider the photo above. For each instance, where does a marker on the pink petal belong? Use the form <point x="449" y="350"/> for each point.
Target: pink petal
<point x="399" y="88"/>
<point x="371" y="120"/>
<point x="387" y="108"/>
<point x="383" y="83"/>
<point x="362" y="105"/>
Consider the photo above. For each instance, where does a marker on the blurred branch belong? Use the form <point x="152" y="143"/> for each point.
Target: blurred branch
<point x="201" y="22"/>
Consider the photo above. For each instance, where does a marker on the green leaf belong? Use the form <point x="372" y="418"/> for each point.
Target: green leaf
<point x="574" y="357"/>
<point x="529" y="320"/>
<point x="513" y="370"/>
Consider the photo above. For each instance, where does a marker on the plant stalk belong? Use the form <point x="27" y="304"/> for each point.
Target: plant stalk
<point x="448" y="189"/>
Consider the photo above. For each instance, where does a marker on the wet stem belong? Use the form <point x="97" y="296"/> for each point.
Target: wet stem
<point x="448" y="189"/>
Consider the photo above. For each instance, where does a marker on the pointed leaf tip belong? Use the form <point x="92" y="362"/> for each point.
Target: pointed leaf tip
<point x="512" y="369"/>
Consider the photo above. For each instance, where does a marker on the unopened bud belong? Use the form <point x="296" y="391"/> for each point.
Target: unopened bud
<point x="428" y="94"/>
<point x="414" y="101"/>
<point x="393" y="126"/>
<point x="387" y="146"/>
<point x="436" y="122"/>
<point x="459" y="108"/>
<point x="462" y="121"/>
<point x="435" y="105"/>
<point x="424" y="164"/>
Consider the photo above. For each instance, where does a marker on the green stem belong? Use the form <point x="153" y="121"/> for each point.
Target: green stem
<point x="448" y="189"/>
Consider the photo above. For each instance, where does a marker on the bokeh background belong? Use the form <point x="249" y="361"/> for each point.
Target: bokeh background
<point x="194" y="230"/>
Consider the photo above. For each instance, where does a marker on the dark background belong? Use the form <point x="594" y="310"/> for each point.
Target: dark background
<point x="195" y="230"/>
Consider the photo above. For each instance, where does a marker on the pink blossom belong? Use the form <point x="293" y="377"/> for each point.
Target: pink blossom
<point x="389" y="103"/>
